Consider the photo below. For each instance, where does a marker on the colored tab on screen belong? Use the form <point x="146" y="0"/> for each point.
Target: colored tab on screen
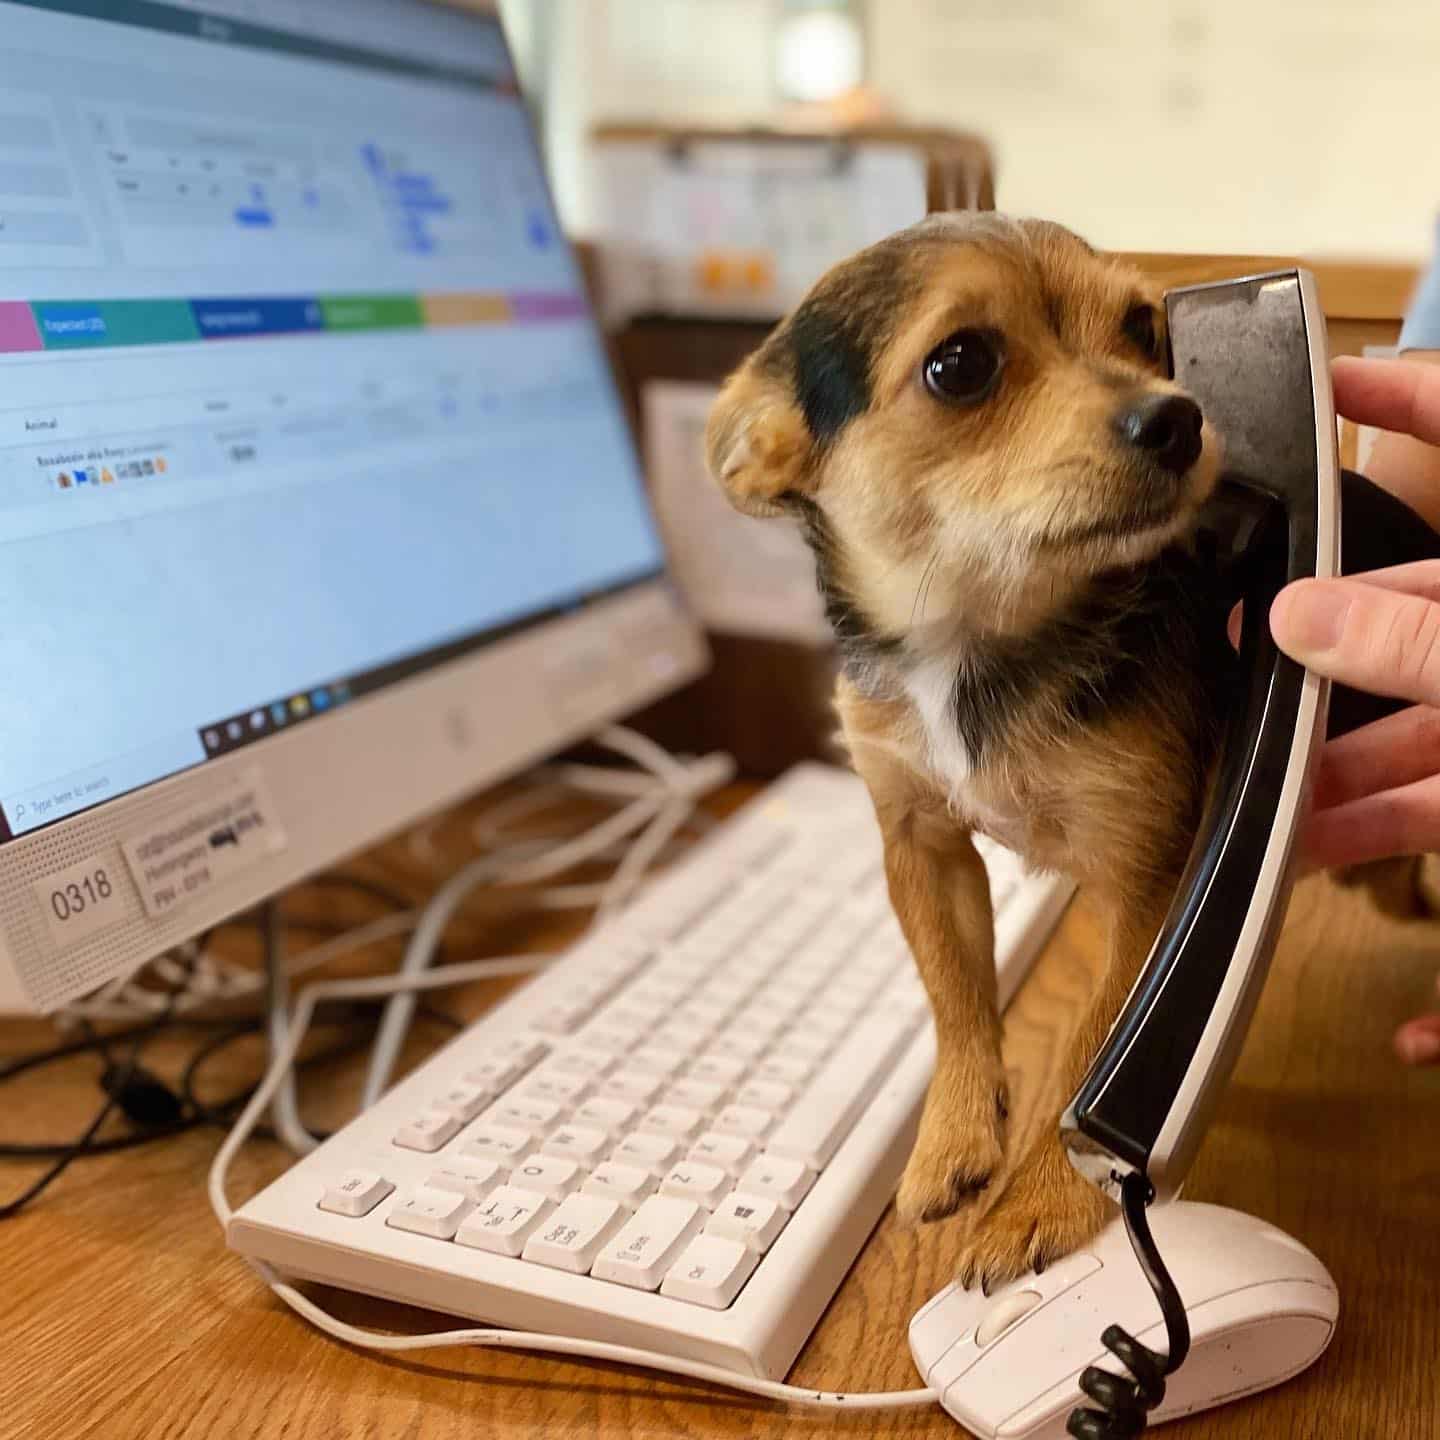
<point x="372" y="312"/>
<point x="19" y="333"/>
<point x="227" y="319"/>
<point x="88" y="324"/>
<point x="107" y="324"/>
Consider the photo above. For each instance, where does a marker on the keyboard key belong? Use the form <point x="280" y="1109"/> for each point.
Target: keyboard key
<point x="710" y="1272"/>
<point x="725" y="993"/>
<point x="576" y="1142"/>
<point x="804" y="1044"/>
<point x="649" y="1242"/>
<point x="657" y="992"/>
<point x="564" y="1017"/>
<point x="696" y="1094"/>
<point x="835" y="1098"/>
<point x="547" y="1175"/>
<point x="764" y="1095"/>
<point x="571" y="1238"/>
<point x="717" y="1069"/>
<point x="627" y="1185"/>
<point x="655" y="1153"/>
<point x="685" y="1040"/>
<point x="613" y="1039"/>
<point x="700" y="1018"/>
<point x="436" y="1213"/>
<point x="731" y="1153"/>
<point x="753" y="1220"/>
<point x="495" y="1073"/>
<point x="498" y="1142"/>
<point x="640" y="1018"/>
<point x="780" y="1179"/>
<point x="524" y="1048"/>
<point x="738" y="1045"/>
<point x="474" y="1180"/>
<point x="678" y="1120"/>
<point x="743" y="1120"/>
<point x="582" y="1061"/>
<point x="503" y="1223"/>
<point x="764" y="1022"/>
<point x="632" y="1085"/>
<point x="533" y="1116"/>
<point x="607" y="1114"/>
<point x="428" y="1132"/>
<point x="832" y="1020"/>
<point x="690" y="1180"/>
<point x="655" y="1060"/>
<point x="465" y="1102"/>
<point x="356" y="1193"/>
<point x="788" y="1070"/>
<point x="555" y="1085"/>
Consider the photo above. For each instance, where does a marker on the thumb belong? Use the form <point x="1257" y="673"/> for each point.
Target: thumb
<point x="1379" y="640"/>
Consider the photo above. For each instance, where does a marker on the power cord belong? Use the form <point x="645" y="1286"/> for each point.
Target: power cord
<point x="157" y="1110"/>
<point x="119" y="1076"/>
<point x="1125" y="1402"/>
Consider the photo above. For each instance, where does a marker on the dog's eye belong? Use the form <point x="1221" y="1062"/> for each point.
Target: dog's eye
<point x="1140" y="330"/>
<point x="964" y="367"/>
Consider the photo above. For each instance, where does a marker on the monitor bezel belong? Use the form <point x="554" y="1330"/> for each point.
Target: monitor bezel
<point x="416" y="746"/>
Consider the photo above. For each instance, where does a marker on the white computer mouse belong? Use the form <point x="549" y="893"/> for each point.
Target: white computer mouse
<point x="1261" y="1309"/>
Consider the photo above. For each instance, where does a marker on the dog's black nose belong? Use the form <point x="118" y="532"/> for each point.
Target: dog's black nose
<point x="1167" y="427"/>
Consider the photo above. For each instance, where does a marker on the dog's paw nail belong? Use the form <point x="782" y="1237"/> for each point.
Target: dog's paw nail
<point x="985" y="1286"/>
<point x="1002" y="1105"/>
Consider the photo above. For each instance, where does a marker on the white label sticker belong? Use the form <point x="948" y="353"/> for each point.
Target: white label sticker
<point x="81" y="900"/>
<point x="175" y="860"/>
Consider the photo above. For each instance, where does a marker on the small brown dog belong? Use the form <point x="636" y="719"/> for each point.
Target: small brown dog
<point x="972" y="423"/>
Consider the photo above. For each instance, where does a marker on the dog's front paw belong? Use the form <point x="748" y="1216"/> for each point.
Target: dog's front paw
<point x="960" y="1147"/>
<point x="1045" y="1211"/>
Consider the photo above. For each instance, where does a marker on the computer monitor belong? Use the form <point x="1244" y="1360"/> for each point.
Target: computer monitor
<point x="317" y="505"/>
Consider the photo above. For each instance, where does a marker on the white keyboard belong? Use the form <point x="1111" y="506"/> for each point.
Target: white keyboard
<point x="677" y="1137"/>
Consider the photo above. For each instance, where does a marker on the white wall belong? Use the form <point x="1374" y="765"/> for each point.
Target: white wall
<point x="1211" y="125"/>
<point x="1240" y="125"/>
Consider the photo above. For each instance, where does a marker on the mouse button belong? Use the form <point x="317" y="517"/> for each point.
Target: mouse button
<point x="941" y="1332"/>
<point x="1004" y="1313"/>
<point x="936" y="1302"/>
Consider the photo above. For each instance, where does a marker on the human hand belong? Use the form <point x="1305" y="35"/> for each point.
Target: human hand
<point x="1378" y="790"/>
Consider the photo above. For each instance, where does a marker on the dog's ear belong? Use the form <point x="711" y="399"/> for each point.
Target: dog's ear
<point x="757" y="443"/>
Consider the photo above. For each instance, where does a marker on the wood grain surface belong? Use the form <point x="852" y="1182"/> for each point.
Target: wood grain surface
<point x="124" y="1316"/>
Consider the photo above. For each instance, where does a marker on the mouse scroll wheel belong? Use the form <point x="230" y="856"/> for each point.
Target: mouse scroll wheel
<point x="1004" y="1313"/>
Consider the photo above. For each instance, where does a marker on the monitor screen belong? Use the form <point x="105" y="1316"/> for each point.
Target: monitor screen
<point x="299" y="392"/>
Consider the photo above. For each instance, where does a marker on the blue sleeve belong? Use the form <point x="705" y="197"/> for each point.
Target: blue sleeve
<point x="1421" y="330"/>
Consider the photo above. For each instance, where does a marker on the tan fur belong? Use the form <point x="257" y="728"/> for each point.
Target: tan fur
<point x="949" y="527"/>
<point x="984" y="555"/>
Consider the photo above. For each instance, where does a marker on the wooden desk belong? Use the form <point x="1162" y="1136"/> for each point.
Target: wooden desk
<point x="124" y="1316"/>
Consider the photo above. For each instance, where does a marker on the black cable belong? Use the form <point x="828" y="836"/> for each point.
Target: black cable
<point x="153" y="1107"/>
<point x="195" y="1113"/>
<point x="79" y="1147"/>
<point x="1125" y="1402"/>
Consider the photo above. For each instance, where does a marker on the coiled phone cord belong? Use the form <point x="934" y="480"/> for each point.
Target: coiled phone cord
<point x="1125" y="1401"/>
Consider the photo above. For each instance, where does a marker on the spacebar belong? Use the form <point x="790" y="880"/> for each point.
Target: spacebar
<point x="838" y="1095"/>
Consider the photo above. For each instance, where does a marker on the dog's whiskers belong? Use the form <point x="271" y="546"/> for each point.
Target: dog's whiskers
<point x="922" y="590"/>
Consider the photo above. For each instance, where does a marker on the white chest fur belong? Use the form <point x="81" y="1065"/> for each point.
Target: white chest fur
<point x="931" y="688"/>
